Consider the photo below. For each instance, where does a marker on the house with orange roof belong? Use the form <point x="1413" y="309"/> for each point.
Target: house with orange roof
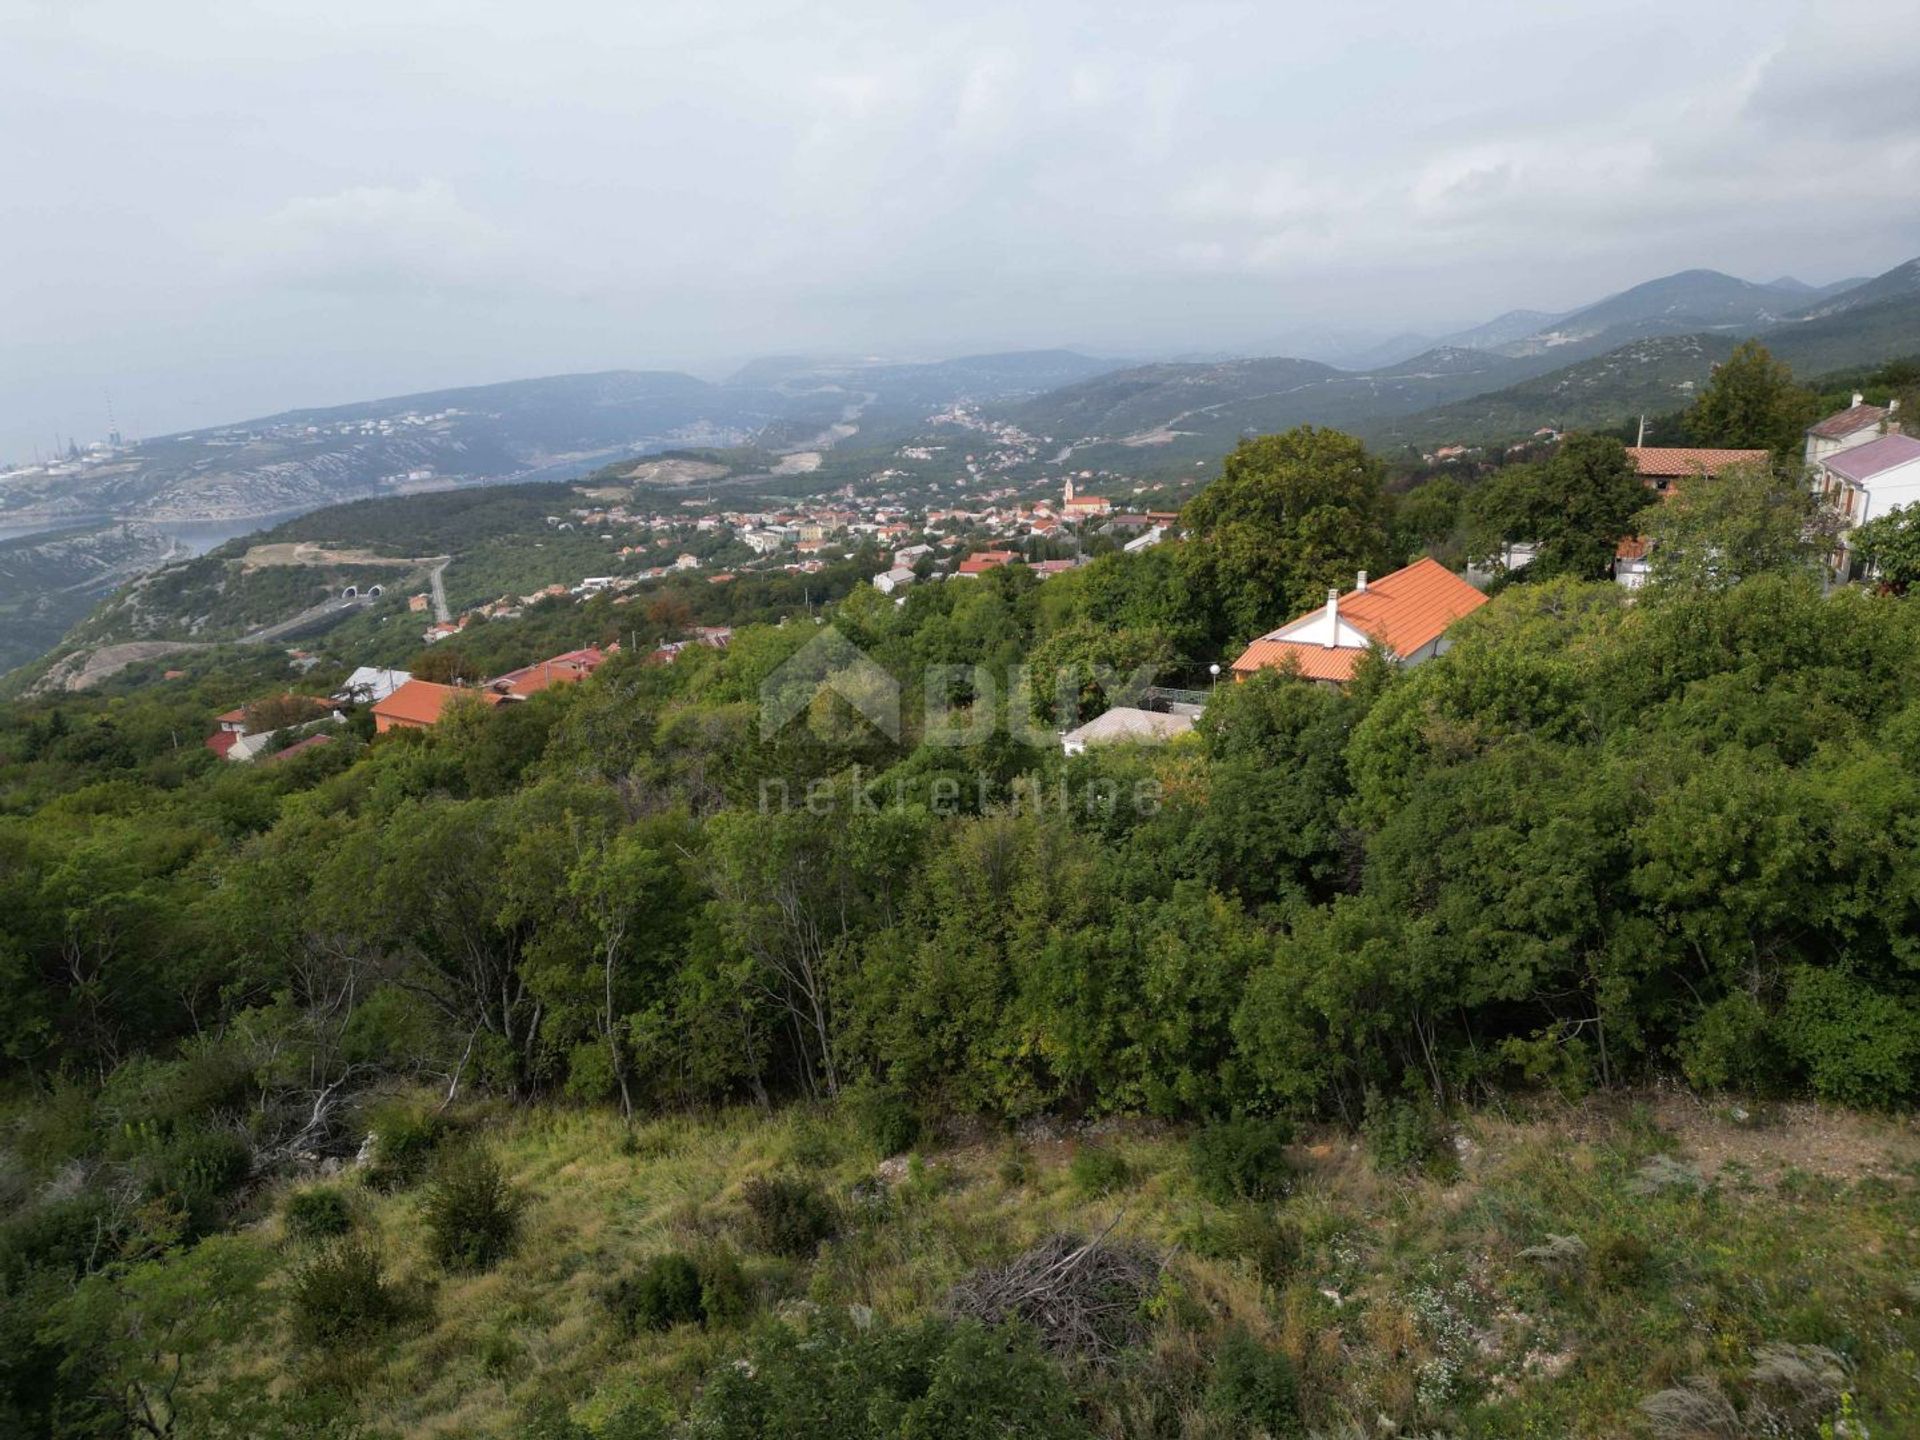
<point x="1080" y="507"/>
<point x="1407" y="614"/>
<point x="1660" y="465"/>
<point x="565" y="669"/>
<point x="981" y="561"/>
<point x="419" y="705"/>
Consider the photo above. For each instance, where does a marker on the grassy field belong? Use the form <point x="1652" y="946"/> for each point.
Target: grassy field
<point x="1544" y="1275"/>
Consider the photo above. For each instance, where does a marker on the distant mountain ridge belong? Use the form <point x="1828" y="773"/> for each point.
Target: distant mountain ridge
<point x="1900" y="283"/>
<point x="1661" y="373"/>
<point x="553" y="425"/>
<point x="1645" y="348"/>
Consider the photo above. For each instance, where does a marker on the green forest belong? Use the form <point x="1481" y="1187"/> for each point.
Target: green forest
<point x="615" y="1064"/>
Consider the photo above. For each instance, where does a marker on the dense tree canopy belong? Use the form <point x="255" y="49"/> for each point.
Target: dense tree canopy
<point x="1747" y="520"/>
<point x="1573" y="507"/>
<point x="1752" y="403"/>
<point x="1890" y="545"/>
<point x="1290" y="515"/>
<point x="1600" y="839"/>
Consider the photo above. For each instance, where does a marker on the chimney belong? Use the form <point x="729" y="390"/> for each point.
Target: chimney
<point x="1858" y="398"/>
<point x="1361" y="584"/>
<point x="1333" y="618"/>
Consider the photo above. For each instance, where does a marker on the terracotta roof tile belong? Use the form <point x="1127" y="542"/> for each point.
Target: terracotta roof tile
<point x="560" y="670"/>
<point x="1411" y="607"/>
<point x="1663" y="461"/>
<point x="421" y="702"/>
<point x="1854" y="418"/>
<point x="1402" y="612"/>
<point x="1314" y="662"/>
<point x="984" y="560"/>
<point x="300" y="747"/>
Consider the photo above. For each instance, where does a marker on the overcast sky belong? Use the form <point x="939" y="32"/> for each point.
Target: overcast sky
<point x="213" y="209"/>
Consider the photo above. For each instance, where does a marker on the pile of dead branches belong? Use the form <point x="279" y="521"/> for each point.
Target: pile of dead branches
<point x="1083" y="1296"/>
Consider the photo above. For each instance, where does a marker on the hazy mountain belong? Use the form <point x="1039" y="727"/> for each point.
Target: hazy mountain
<point x="1504" y="329"/>
<point x="1151" y="416"/>
<point x="1901" y="282"/>
<point x="1587" y="368"/>
<point x="1673" y="304"/>
<point x="982" y="378"/>
<point x="1651" y="376"/>
<point x="49" y="581"/>
<point x="1866" y="324"/>
<point x="1807" y="294"/>
<point x="554" y="426"/>
<point x="1390" y="351"/>
<point x="1858" y="335"/>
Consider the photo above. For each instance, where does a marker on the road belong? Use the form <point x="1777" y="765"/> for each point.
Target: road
<point x="440" y="610"/>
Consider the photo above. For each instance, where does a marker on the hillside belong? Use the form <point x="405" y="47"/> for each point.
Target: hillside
<point x="1775" y="1226"/>
<point x="49" y="581"/>
<point x="550" y="427"/>
<point x="1156" y="414"/>
<point x="1651" y="377"/>
<point x="1857" y="335"/>
<point x="1900" y="283"/>
<point x="1502" y="1048"/>
<point x="1691" y="300"/>
<point x="1642" y="349"/>
<point x="1661" y="374"/>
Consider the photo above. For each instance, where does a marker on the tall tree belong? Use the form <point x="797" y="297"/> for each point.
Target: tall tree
<point x="1574" y="507"/>
<point x="1751" y="403"/>
<point x="1714" y="530"/>
<point x="1290" y="515"/>
<point x="1890" y="545"/>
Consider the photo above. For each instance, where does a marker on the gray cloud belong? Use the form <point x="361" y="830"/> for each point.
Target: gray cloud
<point x="220" y="209"/>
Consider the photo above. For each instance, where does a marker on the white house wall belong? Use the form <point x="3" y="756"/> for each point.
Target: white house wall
<point x="1890" y="490"/>
<point x="1316" y="629"/>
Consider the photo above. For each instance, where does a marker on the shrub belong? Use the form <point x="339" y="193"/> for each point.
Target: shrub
<point x="197" y="1170"/>
<point x="62" y="1236"/>
<point x="404" y="1141"/>
<point x="1242" y="1159"/>
<point x="1401" y="1135"/>
<point x="928" y="1381"/>
<point x="1255" y="1386"/>
<point x="1858" y="1045"/>
<point x="342" y="1295"/>
<point x="788" y="1215"/>
<point x="1016" y="1166"/>
<point x="885" y="1117"/>
<point x="814" y="1146"/>
<point x="1731" y="1045"/>
<point x="726" y="1294"/>
<point x="1096" y="1170"/>
<point x="550" y="1420"/>
<point x="473" y="1215"/>
<point x="665" y="1292"/>
<point x="319" y="1214"/>
<point x="1272" y="1245"/>
<point x="635" y="1421"/>
<point x="1620" y="1260"/>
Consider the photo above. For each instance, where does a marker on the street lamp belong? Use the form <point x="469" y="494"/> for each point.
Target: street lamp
<point x="1214" y="670"/>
